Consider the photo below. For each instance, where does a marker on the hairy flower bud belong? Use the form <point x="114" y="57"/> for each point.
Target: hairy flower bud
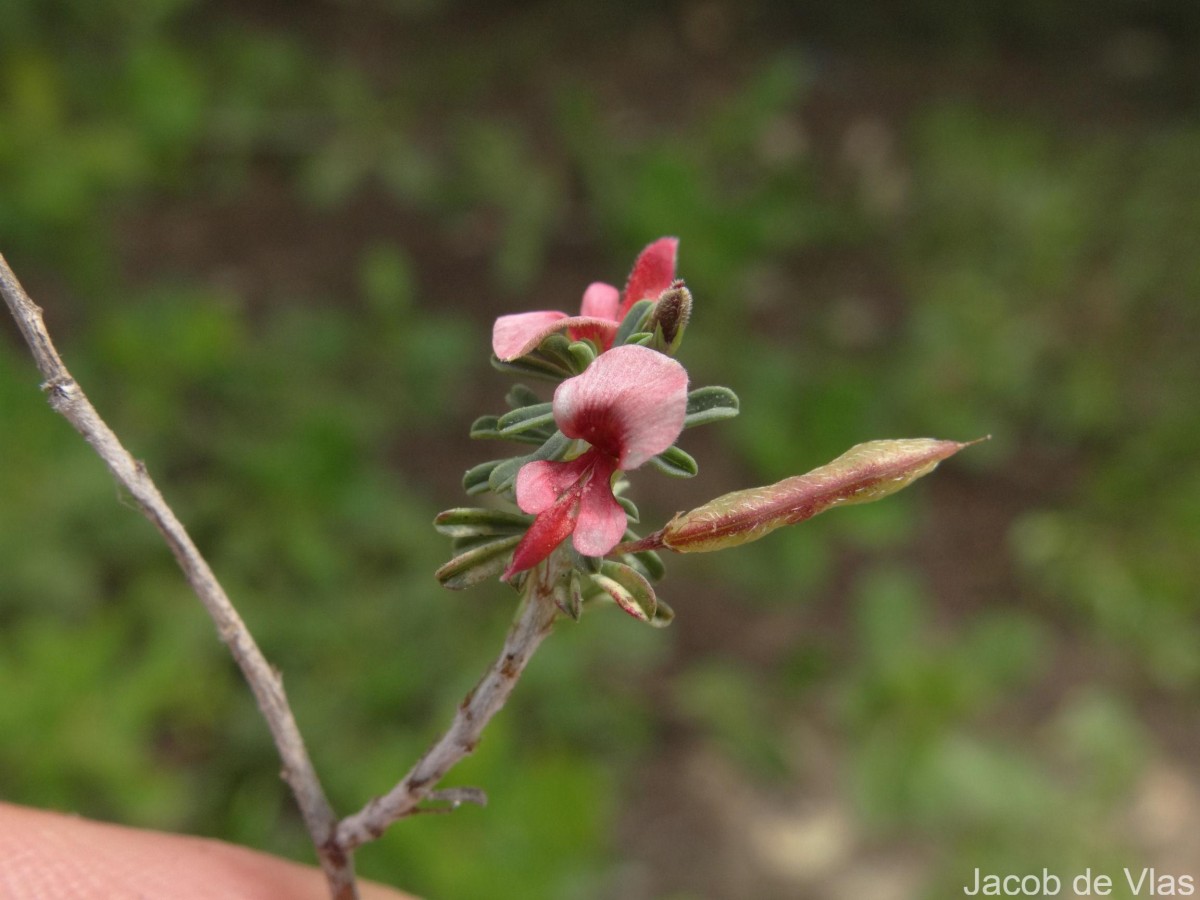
<point x="670" y="317"/>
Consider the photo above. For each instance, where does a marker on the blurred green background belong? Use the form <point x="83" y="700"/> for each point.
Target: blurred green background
<point x="270" y="240"/>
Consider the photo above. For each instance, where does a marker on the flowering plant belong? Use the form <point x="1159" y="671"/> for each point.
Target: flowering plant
<point x="622" y="401"/>
<point x="562" y="533"/>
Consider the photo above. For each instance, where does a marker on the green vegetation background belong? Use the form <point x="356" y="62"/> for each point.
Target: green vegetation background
<point x="270" y="240"/>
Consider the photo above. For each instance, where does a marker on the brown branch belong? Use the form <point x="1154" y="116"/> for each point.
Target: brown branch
<point x="67" y="398"/>
<point x="335" y="842"/>
<point x="534" y="620"/>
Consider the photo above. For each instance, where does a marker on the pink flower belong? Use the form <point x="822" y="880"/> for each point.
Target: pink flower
<point x="601" y="312"/>
<point x="629" y="405"/>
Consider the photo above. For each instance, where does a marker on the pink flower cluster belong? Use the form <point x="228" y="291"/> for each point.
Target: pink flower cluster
<point x="628" y="405"/>
<point x="600" y="313"/>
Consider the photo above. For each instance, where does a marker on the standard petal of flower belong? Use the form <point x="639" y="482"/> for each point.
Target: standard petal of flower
<point x="602" y="521"/>
<point x="630" y="403"/>
<point x="540" y="483"/>
<point x="515" y="335"/>
<point x="600" y="301"/>
<point x="652" y="273"/>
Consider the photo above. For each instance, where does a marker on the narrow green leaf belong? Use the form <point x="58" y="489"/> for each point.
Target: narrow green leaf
<point x="517" y="582"/>
<point x="534" y="365"/>
<point x="553" y="448"/>
<point x="575" y="593"/>
<point x="663" y="615"/>
<point x="516" y="421"/>
<point x="617" y="593"/>
<point x="535" y="436"/>
<point x="484" y="427"/>
<point x="468" y="522"/>
<point x="648" y="562"/>
<point x="628" y="588"/>
<point x="518" y="395"/>
<point x="676" y="463"/>
<point x="475" y="480"/>
<point x="502" y="477"/>
<point x="568" y="596"/>
<point x="588" y="565"/>
<point x="459" y="545"/>
<point x="631" y="510"/>
<point x="709" y="404"/>
<point x="477" y="564"/>
<point x="557" y="347"/>
<point x="632" y="323"/>
<point x="583" y="354"/>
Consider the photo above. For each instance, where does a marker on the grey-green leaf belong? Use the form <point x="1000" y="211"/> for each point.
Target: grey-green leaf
<point x="516" y="421"/>
<point x="534" y="365"/>
<point x="556" y="347"/>
<point x="631" y="510"/>
<point x="676" y="463"/>
<point x="469" y="522"/>
<point x="632" y="323"/>
<point x="568" y="596"/>
<point x="477" y="564"/>
<point x="663" y="615"/>
<point x="475" y="480"/>
<point x="502" y="477"/>
<point x="583" y="354"/>
<point x="649" y="562"/>
<point x="628" y="588"/>
<point x="519" y="395"/>
<point x="485" y="427"/>
<point x="709" y="404"/>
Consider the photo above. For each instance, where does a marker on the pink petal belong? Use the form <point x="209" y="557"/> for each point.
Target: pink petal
<point x="629" y="403"/>
<point x="548" y="530"/>
<point x="599" y="331"/>
<point x="515" y="335"/>
<point x="602" y="521"/>
<point x="600" y="301"/>
<point x="540" y="483"/>
<point x="652" y="273"/>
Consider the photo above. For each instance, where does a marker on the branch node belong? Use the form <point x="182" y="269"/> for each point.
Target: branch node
<point x="450" y="799"/>
<point x="59" y="389"/>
